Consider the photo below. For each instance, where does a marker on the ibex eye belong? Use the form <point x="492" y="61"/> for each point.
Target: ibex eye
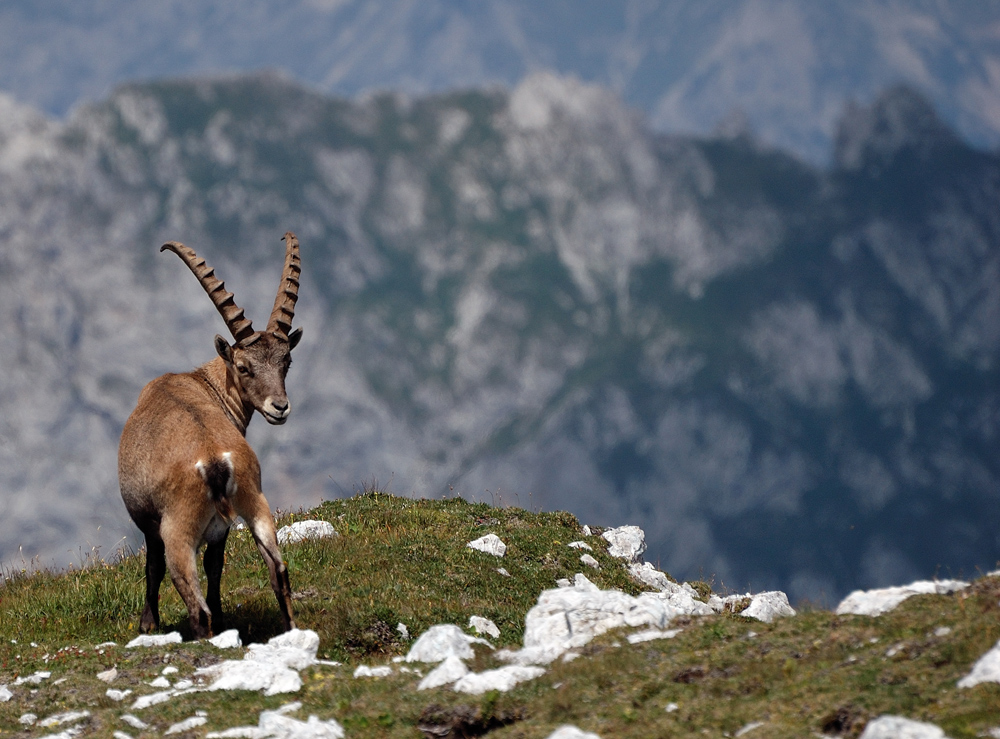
<point x="241" y="369"/>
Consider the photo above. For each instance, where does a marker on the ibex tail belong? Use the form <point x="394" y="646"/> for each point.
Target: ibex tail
<point x="221" y="482"/>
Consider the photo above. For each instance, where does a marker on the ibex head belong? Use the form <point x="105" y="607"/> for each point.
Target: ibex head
<point x="258" y="360"/>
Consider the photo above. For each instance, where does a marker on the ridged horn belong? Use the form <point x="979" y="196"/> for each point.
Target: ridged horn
<point x="280" y="323"/>
<point x="232" y="314"/>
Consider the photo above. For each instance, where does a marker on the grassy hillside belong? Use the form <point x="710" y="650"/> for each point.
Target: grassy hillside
<point x="401" y="560"/>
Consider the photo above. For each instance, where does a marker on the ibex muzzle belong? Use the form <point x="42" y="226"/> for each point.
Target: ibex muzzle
<point x="184" y="465"/>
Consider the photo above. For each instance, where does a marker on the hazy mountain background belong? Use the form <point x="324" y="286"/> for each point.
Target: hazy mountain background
<point x="785" y="67"/>
<point x="785" y="372"/>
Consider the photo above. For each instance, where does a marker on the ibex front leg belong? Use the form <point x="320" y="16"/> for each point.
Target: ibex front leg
<point x="215" y="559"/>
<point x="156" y="568"/>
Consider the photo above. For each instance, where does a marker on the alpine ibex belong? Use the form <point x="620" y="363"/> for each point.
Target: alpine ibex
<point x="184" y="465"/>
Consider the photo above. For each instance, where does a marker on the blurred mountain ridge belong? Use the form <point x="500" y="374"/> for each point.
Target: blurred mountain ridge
<point x="786" y="375"/>
<point x="788" y="66"/>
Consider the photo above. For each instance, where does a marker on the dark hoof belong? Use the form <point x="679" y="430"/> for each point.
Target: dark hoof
<point x="148" y="624"/>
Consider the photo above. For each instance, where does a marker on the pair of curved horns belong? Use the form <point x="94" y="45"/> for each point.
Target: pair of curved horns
<point x="280" y="323"/>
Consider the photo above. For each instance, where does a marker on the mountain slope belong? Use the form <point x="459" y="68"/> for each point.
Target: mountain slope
<point x="407" y="562"/>
<point x="786" y="375"/>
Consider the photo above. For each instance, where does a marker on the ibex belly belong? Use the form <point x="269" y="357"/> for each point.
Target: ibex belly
<point x="216" y="531"/>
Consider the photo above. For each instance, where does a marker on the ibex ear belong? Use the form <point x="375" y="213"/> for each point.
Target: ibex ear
<point x="222" y="347"/>
<point x="294" y="338"/>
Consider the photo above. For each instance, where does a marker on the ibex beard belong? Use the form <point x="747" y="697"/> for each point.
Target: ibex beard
<point x="185" y="468"/>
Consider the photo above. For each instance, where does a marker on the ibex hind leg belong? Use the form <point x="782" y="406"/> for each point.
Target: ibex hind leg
<point x="262" y="526"/>
<point x="156" y="567"/>
<point x="183" y="568"/>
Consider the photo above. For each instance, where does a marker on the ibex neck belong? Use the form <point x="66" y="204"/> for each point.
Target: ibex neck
<point x="226" y="393"/>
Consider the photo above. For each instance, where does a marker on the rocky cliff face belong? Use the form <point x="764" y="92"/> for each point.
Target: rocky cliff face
<point x="788" y="376"/>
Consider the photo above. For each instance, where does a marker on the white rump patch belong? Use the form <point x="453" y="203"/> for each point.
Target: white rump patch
<point x="227" y="460"/>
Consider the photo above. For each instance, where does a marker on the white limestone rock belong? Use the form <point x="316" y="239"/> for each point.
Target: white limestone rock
<point x="491" y="544"/>
<point x="117" y="695"/>
<point x="403" y="631"/>
<point x="155" y="640"/>
<point x="765" y="606"/>
<point x="502" y="679"/>
<point x="295" y="649"/>
<point x="648" y="575"/>
<point x="152" y="699"/>
<point x="568" y="618"/>
<point x="227" y="640"/>
<point x="380" y="671"/>
<point x="651" y="634"/>
<point x="134" y="721"/>
<point x="278" y="725"/>
<point x="897" y="727"/>
<point x="443" y="641"/>
<point x="878" y="601"/>
<point x="33" y="679"/>
<point x="186" y="725"/>
<point x="768" y="606"/>
<point x="69" y="733"/>
<point x="268" y="677"/>
<point x="580" y="545"/>
<point x="63" y="718"/>
<point x="446" y="673"/>
<point x="986" y="669"/>
<point x="268" y="667"/>
<point x="590" y="561"/>
<point x="484" y="626"/>
<point x="626" y="542"/>
<point x="682" y="597"/>
<point x="305" y="531"/>
<point x="568" y="731"/>
<point x="108" y="676"/>
<point x="5" y="694"/>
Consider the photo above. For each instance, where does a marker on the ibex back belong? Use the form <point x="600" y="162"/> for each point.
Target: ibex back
<point x="185" y="468"/>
